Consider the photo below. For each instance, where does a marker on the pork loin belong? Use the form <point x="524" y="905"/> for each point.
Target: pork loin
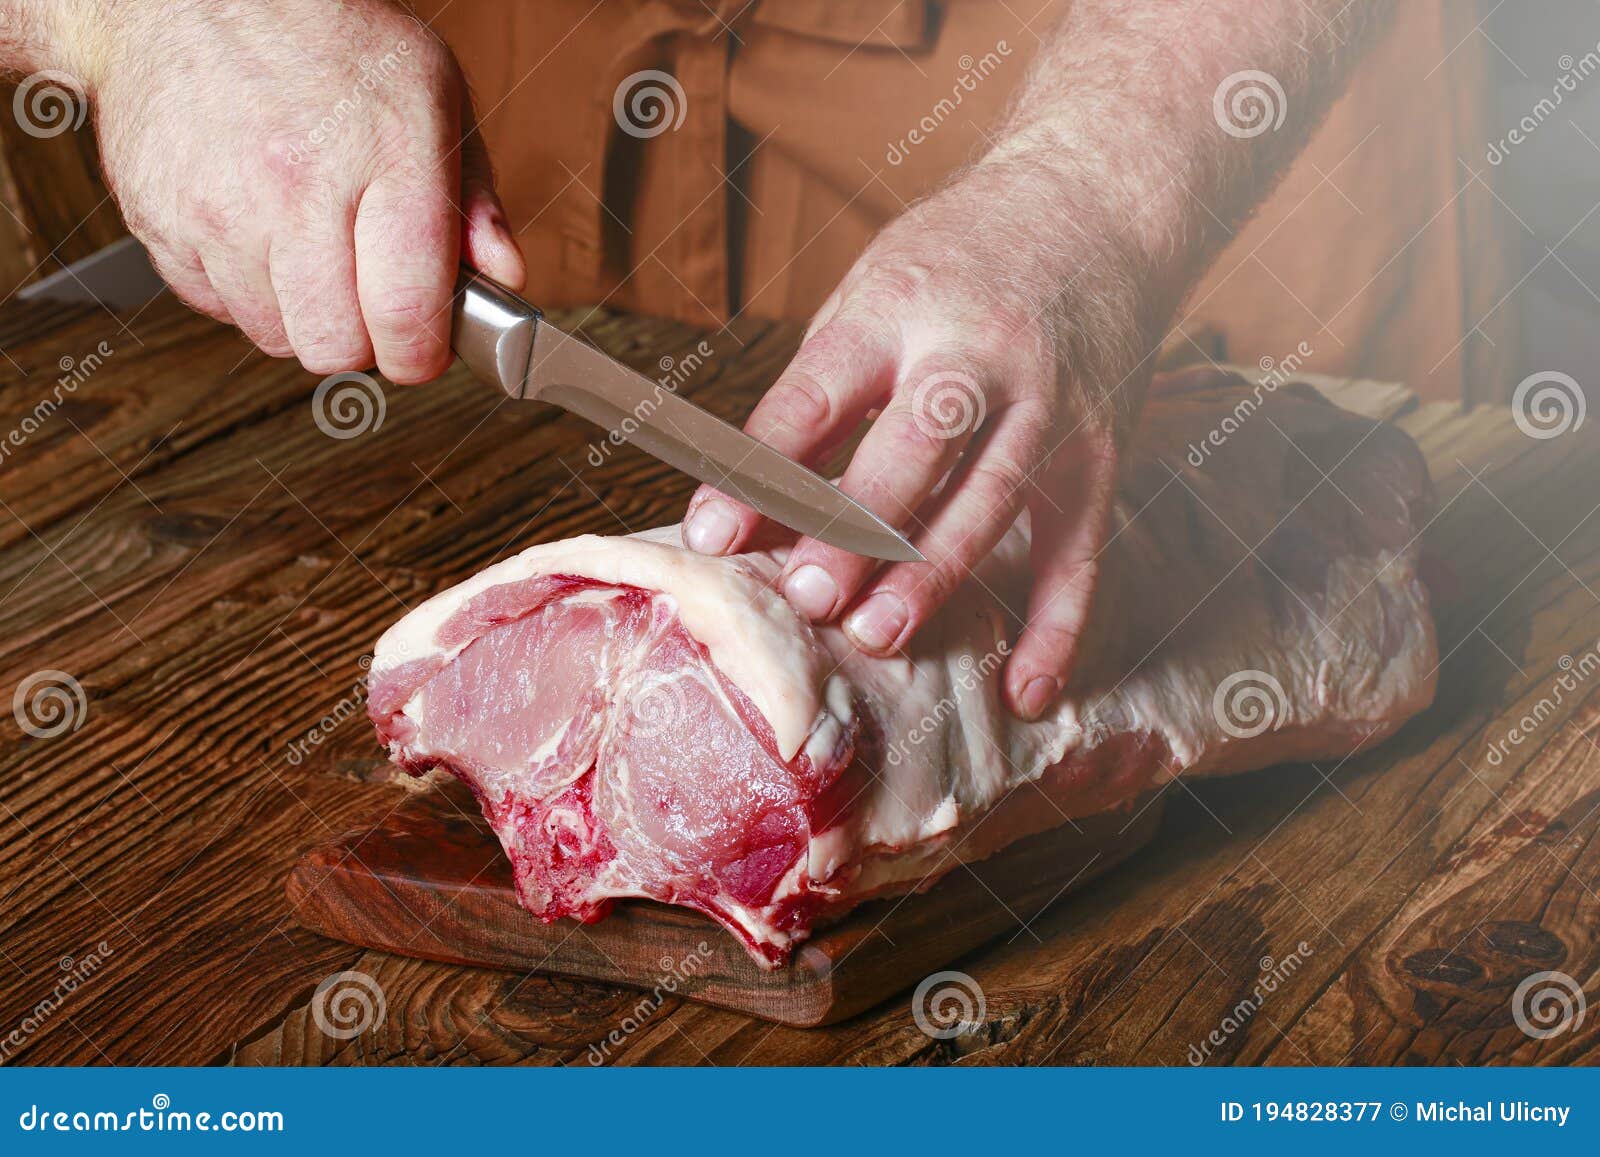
<point x="640" y="721"/>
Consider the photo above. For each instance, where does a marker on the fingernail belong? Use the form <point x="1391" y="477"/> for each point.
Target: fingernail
<point x="712" y="528"/>
<point x="877" y="623"/>
<point x="811" y="591"/>
<point x="1037" y="695"/>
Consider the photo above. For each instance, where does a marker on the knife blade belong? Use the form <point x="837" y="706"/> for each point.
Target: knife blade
<point x="505" y="340"/>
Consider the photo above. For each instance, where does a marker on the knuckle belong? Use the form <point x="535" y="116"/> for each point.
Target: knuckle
<point x="434" y="59"/>
<point x="259" y="322"/>
<point x="290" y="164"/>
<point x="1036" y="411"/>
<point x="1008" y="324"/>
<point x="405" y="315"/>
<point x="336" y="364"/>
<point x="946" y="402"/>
<point x="328" y="352"/>
<point x="419" y="360"/>
<point x="998" y="486"/>
<point x="201" y="303"/>
<point x="991" y="344"/>
<point x="142" y="220"/>
<point x="799" y="403"/>
<point x="419" y="364"/>
<point x="1053" y="639"/>
<point x="273" y="345"/>
<point x="823" y="316"/>
<point x="934" y="588"/>
<point x="204" y="215"/>
<point x="898" y="281"/>
<point x="408" y="213"/>
<point x="840" y="341"/>
<point x="925" y="587"/>
<point x="953" y="554"/>
<point x="906" y="434"/>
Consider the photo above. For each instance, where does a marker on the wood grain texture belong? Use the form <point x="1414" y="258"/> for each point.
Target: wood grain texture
<point x="180" y="537"/>
<point x="430" y="880"/>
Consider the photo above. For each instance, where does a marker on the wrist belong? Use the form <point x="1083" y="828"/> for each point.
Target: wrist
<point x="1112" y="202"/>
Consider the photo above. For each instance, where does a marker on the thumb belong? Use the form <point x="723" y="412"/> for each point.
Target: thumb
<point x="487" y="243"/>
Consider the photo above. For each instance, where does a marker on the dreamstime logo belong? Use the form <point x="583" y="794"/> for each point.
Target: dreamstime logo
<point x="75" y="972"/>
<point x="1572" y="71"/>
<point x="348" y="404"/>
<point x="373" y="74"/>
<point x="1249" y="103"/>
<point x="1273" y="974"/>
<point x="74" y="372"/>
<point x="675" y="974"/>
<point x="948" y="1004"/>
<point x="49" y="703"/>
<point x="1573" y="674"/>
<point x="948" y="405"/>
<point x="972" y="73"/>
<point x="49" y="103"/>
<point x="649" y="103"/>
<point x="1248" y="703"/>
<point x="971" y="674"/>
<point x="1548" y="1004"/>
<point x="155" y="1119"/>
<point x="1548" y="404"/>
<point x="1275" y="373"/>
<point x="674" y="372"/>
<point x="350" y="705"/>
<point x="347" y="1004"/>
<point x="652" y="713"/>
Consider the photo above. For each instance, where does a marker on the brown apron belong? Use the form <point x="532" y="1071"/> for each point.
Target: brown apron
<point x="807" y="124"/>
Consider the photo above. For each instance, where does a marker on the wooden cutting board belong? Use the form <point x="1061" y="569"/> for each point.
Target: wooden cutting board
<point x="431" y="881"/>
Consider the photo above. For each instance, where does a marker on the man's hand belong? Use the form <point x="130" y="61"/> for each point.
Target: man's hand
<point x="303" y="169"/>
<point x="959" y="336"/>
<point x="1005" y="326"/>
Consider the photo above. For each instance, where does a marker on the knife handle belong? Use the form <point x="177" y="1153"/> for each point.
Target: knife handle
<point x="492" y="331"/>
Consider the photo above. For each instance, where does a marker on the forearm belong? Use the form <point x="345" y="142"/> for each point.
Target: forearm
<point x="1118" y="130"/>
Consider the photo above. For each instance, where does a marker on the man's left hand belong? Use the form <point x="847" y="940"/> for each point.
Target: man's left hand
<point x="968" y="324"/>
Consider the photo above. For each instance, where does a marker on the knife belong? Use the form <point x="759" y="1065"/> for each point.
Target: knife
<point x="505" y="341"/>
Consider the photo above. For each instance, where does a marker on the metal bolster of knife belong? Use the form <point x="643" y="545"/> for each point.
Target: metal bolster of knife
<point x="493" y="332"/>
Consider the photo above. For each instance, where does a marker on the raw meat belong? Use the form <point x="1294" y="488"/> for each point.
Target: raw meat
<point x="640" y="721"/>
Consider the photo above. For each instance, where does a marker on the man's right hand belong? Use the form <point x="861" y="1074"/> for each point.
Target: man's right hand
<point x="303" y="169"/>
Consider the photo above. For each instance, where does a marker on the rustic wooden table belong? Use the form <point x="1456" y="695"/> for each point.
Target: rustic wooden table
<point x="182" y="539"/>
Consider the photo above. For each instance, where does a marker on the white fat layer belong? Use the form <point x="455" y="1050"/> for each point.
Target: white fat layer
<point x="755" y="639"/>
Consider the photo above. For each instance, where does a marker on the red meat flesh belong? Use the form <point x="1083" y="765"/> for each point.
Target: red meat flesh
<point x="610" y="756"/>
